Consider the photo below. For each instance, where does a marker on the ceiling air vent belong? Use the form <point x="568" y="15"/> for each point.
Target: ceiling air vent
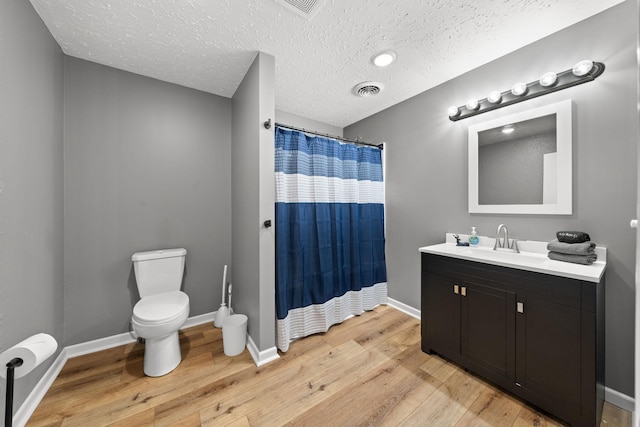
<point x="366" y="89"/>
<point x="305" y="8"/>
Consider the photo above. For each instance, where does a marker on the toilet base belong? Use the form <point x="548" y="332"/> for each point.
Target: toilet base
<point x="161" y="355"/>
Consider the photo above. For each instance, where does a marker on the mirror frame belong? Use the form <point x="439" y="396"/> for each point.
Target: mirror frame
<point x="564" y="132"/>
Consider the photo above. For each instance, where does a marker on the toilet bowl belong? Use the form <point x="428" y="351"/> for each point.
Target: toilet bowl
<point x="162" y="309"/>
<point x="157" y="319"/>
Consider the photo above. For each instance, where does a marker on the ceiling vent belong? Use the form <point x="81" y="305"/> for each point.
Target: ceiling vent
<point x="305" y="8"/>
<point x="367" y="89"/>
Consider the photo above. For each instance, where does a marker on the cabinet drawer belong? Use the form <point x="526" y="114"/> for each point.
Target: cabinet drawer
<point x="560" y="290"/>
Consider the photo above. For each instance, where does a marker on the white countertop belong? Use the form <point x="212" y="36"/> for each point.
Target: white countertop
<point x="532" y="257"/>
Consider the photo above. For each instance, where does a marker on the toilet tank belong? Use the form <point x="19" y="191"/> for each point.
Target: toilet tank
<point x="159" y="271"/>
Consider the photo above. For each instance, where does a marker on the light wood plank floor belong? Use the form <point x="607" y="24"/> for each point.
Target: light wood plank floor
<point x="367" y="371"/>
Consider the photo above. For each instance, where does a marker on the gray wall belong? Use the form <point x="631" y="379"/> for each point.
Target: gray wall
<point x="266" y="146"/>
<point x="305" y="123"/>
<point x="147" y="166"/>
<point x="253" y="274"/>
<point x="426" y="182"/>
<point x="31" y="189"/>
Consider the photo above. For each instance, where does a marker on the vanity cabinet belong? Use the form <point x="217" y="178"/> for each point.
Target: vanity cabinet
<point x="539" y="336"/>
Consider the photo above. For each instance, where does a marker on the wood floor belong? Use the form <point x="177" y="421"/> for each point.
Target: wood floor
<point x="367" y="371"/>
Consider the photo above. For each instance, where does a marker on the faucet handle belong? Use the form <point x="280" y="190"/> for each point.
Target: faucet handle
<point x="514" y="246"/>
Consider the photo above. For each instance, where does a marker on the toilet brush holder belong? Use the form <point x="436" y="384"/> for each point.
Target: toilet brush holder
<point x="221" y="314"/>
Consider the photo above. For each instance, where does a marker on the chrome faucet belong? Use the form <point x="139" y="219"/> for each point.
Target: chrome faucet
<point x="505" y="245"/>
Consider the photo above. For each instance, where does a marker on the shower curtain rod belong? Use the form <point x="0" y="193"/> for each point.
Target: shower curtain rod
<point x="353" y="141"/>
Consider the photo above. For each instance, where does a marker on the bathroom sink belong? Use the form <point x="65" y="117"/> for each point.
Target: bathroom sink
<point x="486" y="254"/>
<point x="489" y="256"/>
<point x="532" y="257"/>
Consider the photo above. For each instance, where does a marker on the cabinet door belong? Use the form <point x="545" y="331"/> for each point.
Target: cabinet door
<point x="487" y="329"/>
<point x="440" y="315"/>
<point x="549" y="352"/>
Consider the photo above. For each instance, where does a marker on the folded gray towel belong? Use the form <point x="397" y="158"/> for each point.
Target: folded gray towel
<point x="576" y="259"/>
<point x="585" y="248"/>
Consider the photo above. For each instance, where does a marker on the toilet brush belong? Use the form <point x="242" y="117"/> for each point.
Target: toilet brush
<point x="223" y="311"/>
<point x="221" y="314"/>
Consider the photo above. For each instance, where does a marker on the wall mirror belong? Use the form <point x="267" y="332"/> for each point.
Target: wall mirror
<point x="521" y="164"/>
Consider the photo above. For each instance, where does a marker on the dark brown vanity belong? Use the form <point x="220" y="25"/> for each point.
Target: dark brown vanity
<point x="539" y="336"/>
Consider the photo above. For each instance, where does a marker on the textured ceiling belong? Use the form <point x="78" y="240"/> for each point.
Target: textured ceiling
<point x="210" y="44"/>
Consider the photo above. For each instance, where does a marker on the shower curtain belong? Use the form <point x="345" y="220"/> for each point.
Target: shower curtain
<point x="330" y="260"/>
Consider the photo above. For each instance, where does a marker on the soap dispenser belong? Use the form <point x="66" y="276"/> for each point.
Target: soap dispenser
<point x="473" y="239"/>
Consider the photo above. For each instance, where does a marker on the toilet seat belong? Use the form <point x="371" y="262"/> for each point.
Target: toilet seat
<point x="161" y="308"/>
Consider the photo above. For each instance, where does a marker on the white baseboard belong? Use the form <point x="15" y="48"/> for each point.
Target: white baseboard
<point x="100" y="344"/>
<point x="199" y="320"/>
<point x="619" y="399"/>
<point x="406" y="309"/>
<point x="261" y="357"/>
<point x="32" y="401"/>
<point x="25" y="411"/>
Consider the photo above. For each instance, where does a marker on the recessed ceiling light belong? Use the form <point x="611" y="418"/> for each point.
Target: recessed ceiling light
<point x="384" y="58"/>
<point x="508" y="129"/>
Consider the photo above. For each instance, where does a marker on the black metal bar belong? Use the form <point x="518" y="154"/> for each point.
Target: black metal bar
<point x="8" y="407"/>
<point x="566" y="79"/>
<point x="339" y="138"/>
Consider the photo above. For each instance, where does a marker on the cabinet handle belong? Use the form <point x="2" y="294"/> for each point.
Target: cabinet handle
<point x="455" y="289"/>
<point x="463" y="291"/>
<point x="520" y="307"/>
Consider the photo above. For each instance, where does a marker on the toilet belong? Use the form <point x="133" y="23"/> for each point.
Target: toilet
<point x="162" y="309"/>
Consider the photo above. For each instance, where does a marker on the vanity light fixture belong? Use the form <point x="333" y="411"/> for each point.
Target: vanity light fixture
<point x="472" y="104"/>
<point x="582" y="67"/>
<point x="548" y="79"/>
<point x="519" y="89"/>
<point x="494" y="97"/>
<point x="384" y="58"/>
<point x="583" y="72"/>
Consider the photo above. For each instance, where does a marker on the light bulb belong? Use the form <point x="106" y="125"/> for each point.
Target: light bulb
<point x="519" y="88"/>
<point x="453" y="111"/>
<point x="548" y="79"/>
<point x="507" y="129"/>
<point x="582" y="68"/>
<point x="494" y="97"/>
<point x="472" y="104"/>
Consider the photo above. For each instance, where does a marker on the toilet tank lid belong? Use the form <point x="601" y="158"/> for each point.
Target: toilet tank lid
<point x="162" y="253"/>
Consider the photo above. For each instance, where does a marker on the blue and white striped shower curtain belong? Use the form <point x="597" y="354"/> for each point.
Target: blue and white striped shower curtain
<point x="330" y="260"/>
